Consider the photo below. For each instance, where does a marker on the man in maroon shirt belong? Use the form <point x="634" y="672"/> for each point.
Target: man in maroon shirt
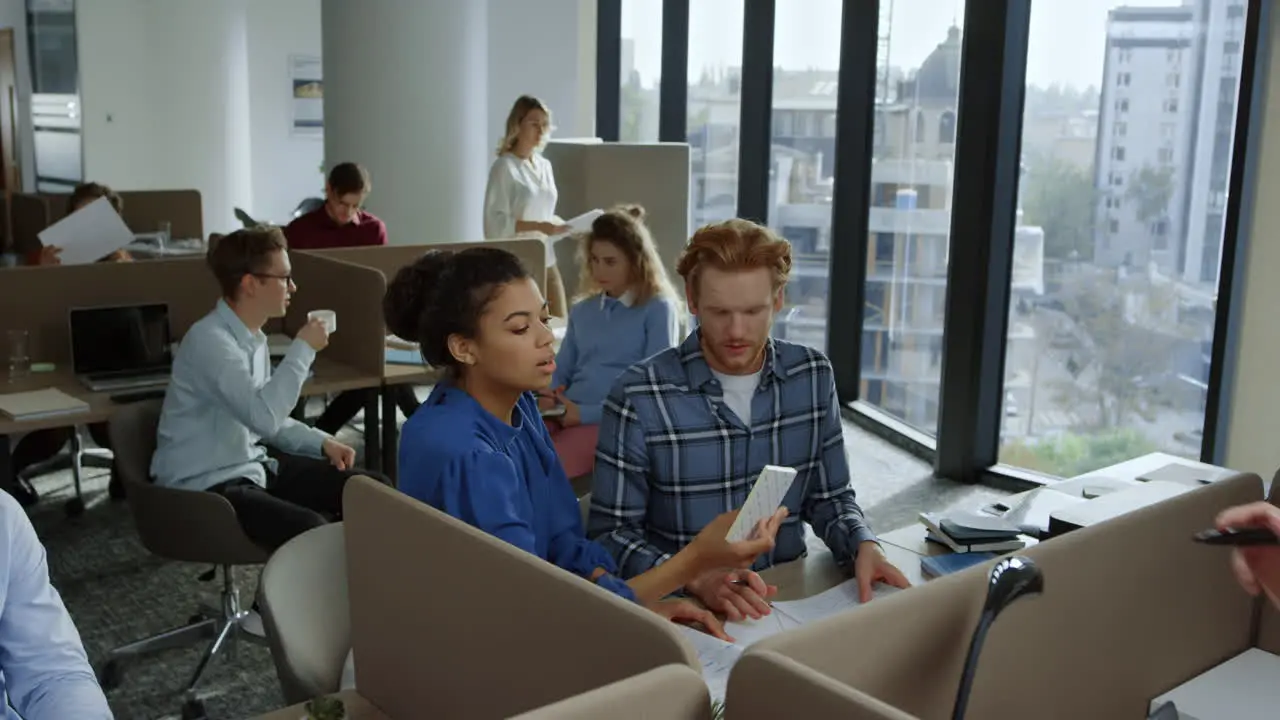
<point x="340" y="222"/>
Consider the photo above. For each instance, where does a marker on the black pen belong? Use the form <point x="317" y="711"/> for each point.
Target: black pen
<point x="1236" y="537"/>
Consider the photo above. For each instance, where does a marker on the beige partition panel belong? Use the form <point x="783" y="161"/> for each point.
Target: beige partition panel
<point x="354" y="292"/>
<point x="600" y="175"/>
<point x="46" y="295"/>
<point x="1131" y="608"/>
<point x="1268" y="615"/>
<point x="671" y="692"/>
<point x="31" y="214"/>
<point x="765" y="685"/>
<point x="388" y="259"/>
<point x="144" y="210"/>
<point x="450" y="622"/>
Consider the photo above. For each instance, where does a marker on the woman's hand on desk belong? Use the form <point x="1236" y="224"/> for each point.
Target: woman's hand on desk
<point x="1257" y="567"/>
<point x="685" y="612"/>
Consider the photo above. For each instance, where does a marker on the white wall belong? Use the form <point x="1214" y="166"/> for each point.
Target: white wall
<point x="286" y="167"/>
<point x="13" y="14"/>
<point x="1252" y="442"/>
<point x="545" y="48"/>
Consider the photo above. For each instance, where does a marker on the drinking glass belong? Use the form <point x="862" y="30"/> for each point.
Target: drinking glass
<point x="19" y="354"/>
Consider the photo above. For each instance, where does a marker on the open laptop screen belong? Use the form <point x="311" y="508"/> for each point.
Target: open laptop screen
<point x="119" y="340"/>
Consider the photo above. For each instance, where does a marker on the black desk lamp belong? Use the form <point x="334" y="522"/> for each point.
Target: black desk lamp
<point x="1011" y="578"/>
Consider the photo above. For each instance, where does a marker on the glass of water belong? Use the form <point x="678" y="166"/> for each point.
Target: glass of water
<point x="19" y="354"/>
<point x="165" y="231"/>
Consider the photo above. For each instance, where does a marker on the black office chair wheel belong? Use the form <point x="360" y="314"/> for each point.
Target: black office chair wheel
<point x="74" y="507"/>
<point x="194" y="710"/>
<point x="110" y="675"/>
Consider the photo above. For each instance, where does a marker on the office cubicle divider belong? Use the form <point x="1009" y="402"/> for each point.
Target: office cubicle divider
<point x="1131" y="609"/>
<point x="440" y="611"/>
<point x="388" y="259"/>
<point x="671" y="692"/>
<point x="765" y="685"/>
<point x="592" y="175"/>
<point x="354" y="292"/>
<point x="38" y="299"/>
<point x="144" y="210"/>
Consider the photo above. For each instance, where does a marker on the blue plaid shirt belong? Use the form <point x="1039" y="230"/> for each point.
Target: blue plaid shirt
<point x="672" y="456"/>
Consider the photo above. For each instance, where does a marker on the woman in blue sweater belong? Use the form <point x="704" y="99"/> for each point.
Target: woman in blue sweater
<point x="627" y="310"/>
<point x="477" y="449"/>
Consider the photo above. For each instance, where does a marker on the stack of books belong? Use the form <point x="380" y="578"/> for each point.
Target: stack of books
<point x="965" y="532"/>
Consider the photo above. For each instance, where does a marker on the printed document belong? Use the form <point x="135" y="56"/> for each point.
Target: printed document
<point x="88" y="234"/>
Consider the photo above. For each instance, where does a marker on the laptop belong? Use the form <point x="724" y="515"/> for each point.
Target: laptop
<point x="121" y="348"/>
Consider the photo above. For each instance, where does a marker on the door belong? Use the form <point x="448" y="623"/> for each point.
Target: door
<point x="10" y="165"/>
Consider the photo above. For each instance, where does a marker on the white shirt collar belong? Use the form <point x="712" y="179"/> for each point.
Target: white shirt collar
<point x="627" y="298"/>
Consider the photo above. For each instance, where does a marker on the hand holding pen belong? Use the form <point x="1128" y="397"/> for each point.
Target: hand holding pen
<point x="1253" y="531"/>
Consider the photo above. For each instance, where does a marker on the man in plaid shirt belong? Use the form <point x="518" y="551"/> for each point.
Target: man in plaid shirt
<point x="685" y="433"/>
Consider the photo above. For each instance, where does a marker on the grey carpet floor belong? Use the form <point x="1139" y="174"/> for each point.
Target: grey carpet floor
<point x="117" y="592"/>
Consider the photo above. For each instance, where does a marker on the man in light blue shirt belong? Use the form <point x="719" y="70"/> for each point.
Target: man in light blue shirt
<point x="223" y="399"/>
<point x="44" y="674"/>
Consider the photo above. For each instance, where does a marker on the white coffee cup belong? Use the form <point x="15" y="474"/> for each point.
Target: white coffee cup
<point x="328" y="317"/>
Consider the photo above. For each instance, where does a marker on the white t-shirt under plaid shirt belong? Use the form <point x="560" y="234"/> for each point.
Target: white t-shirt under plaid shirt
<point x="672" y="456"/>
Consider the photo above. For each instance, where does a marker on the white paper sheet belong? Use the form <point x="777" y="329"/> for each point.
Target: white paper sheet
<point x="717" y="658"/>
<point x="830" y="602"/>
<point x="88" y="234"/>
<point x="765" y="498"/>
<point x="582" y="223"/>
<point x="748" y="632"/>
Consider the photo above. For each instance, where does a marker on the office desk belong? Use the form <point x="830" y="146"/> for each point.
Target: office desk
<point x="912" y="539"/>
<point x="357" y="709"/>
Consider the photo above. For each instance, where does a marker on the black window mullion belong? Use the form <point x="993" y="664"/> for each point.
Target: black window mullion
<point x="756" y="109"/>
<point x="984" y="201"/>
<point x="608" y="69"/>
<point x="673" y="86"/>
<point x="850" y="212"/>
<point x="1241" y="201"/>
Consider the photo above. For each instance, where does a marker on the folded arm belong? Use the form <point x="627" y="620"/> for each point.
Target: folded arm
<point x="264" y="410"/>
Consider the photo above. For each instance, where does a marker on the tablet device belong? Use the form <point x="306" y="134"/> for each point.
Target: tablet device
<point x="765" y="499"/>
<point x="552" y="412"/>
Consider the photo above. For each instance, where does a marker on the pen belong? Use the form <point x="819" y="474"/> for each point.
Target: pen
<point x="1237" y="537"/>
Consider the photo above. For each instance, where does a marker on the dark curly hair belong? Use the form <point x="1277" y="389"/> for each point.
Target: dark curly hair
<point x="444" y="293"/>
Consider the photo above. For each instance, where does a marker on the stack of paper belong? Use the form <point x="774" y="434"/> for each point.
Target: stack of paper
<point x="718" y="656"/>
<point x="38" y="404"/>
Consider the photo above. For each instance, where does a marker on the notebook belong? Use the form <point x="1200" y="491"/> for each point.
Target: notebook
<point x="37" y="404"/>
<point x="939" y="565"/>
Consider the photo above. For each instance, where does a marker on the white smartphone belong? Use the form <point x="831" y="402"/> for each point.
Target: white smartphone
<point x="766" y="497"/>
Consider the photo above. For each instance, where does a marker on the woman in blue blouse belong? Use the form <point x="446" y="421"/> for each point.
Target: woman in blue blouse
<point x="627" y="310"/>
<point x="478" y="449"/>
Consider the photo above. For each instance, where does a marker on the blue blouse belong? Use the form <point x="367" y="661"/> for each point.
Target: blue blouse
<point x="503" y="479"/>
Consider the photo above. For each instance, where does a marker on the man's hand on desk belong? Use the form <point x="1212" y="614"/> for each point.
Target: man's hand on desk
<point x="341" y="456"/>
<point x="688" y="613"/>
<point x="739" y="594"/>
<point x="1257" y="567"/>
<point x="871" y="567"/>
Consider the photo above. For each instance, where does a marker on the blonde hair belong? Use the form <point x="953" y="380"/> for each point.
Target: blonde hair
<point x="623" y="227"/>
<point x="734" y="245"/>
<point x="523" y="105"/>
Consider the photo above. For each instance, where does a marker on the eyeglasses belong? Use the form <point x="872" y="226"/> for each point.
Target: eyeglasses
<point x="286" y="278"/>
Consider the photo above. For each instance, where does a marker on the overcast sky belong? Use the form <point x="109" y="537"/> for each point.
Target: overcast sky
<point x="1067" y="36"/>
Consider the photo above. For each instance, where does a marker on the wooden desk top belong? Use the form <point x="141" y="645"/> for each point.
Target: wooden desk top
<point x="357" y="709"/>
<point x="330" y="377"/>
<point x="398" y="374"/>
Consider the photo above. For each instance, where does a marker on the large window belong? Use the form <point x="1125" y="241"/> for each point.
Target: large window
<point x="806" y="58"/>
<point x="1126" y="149"/>
<point x="918" y="80"/>
<point x="714" y="107"/>
<point x="641" y="64"/>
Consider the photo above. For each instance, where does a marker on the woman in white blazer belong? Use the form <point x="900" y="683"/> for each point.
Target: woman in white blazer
<point x="521" y="193"/>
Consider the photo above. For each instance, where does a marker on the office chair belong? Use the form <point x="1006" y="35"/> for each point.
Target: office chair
<point x="182" y="525"/>
<point x="308" y="205"/>
<point x="76" y="459"/>
<point x="303" y="599"/>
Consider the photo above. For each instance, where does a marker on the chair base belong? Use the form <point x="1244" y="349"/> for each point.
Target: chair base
<point x="226" y="626"/>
